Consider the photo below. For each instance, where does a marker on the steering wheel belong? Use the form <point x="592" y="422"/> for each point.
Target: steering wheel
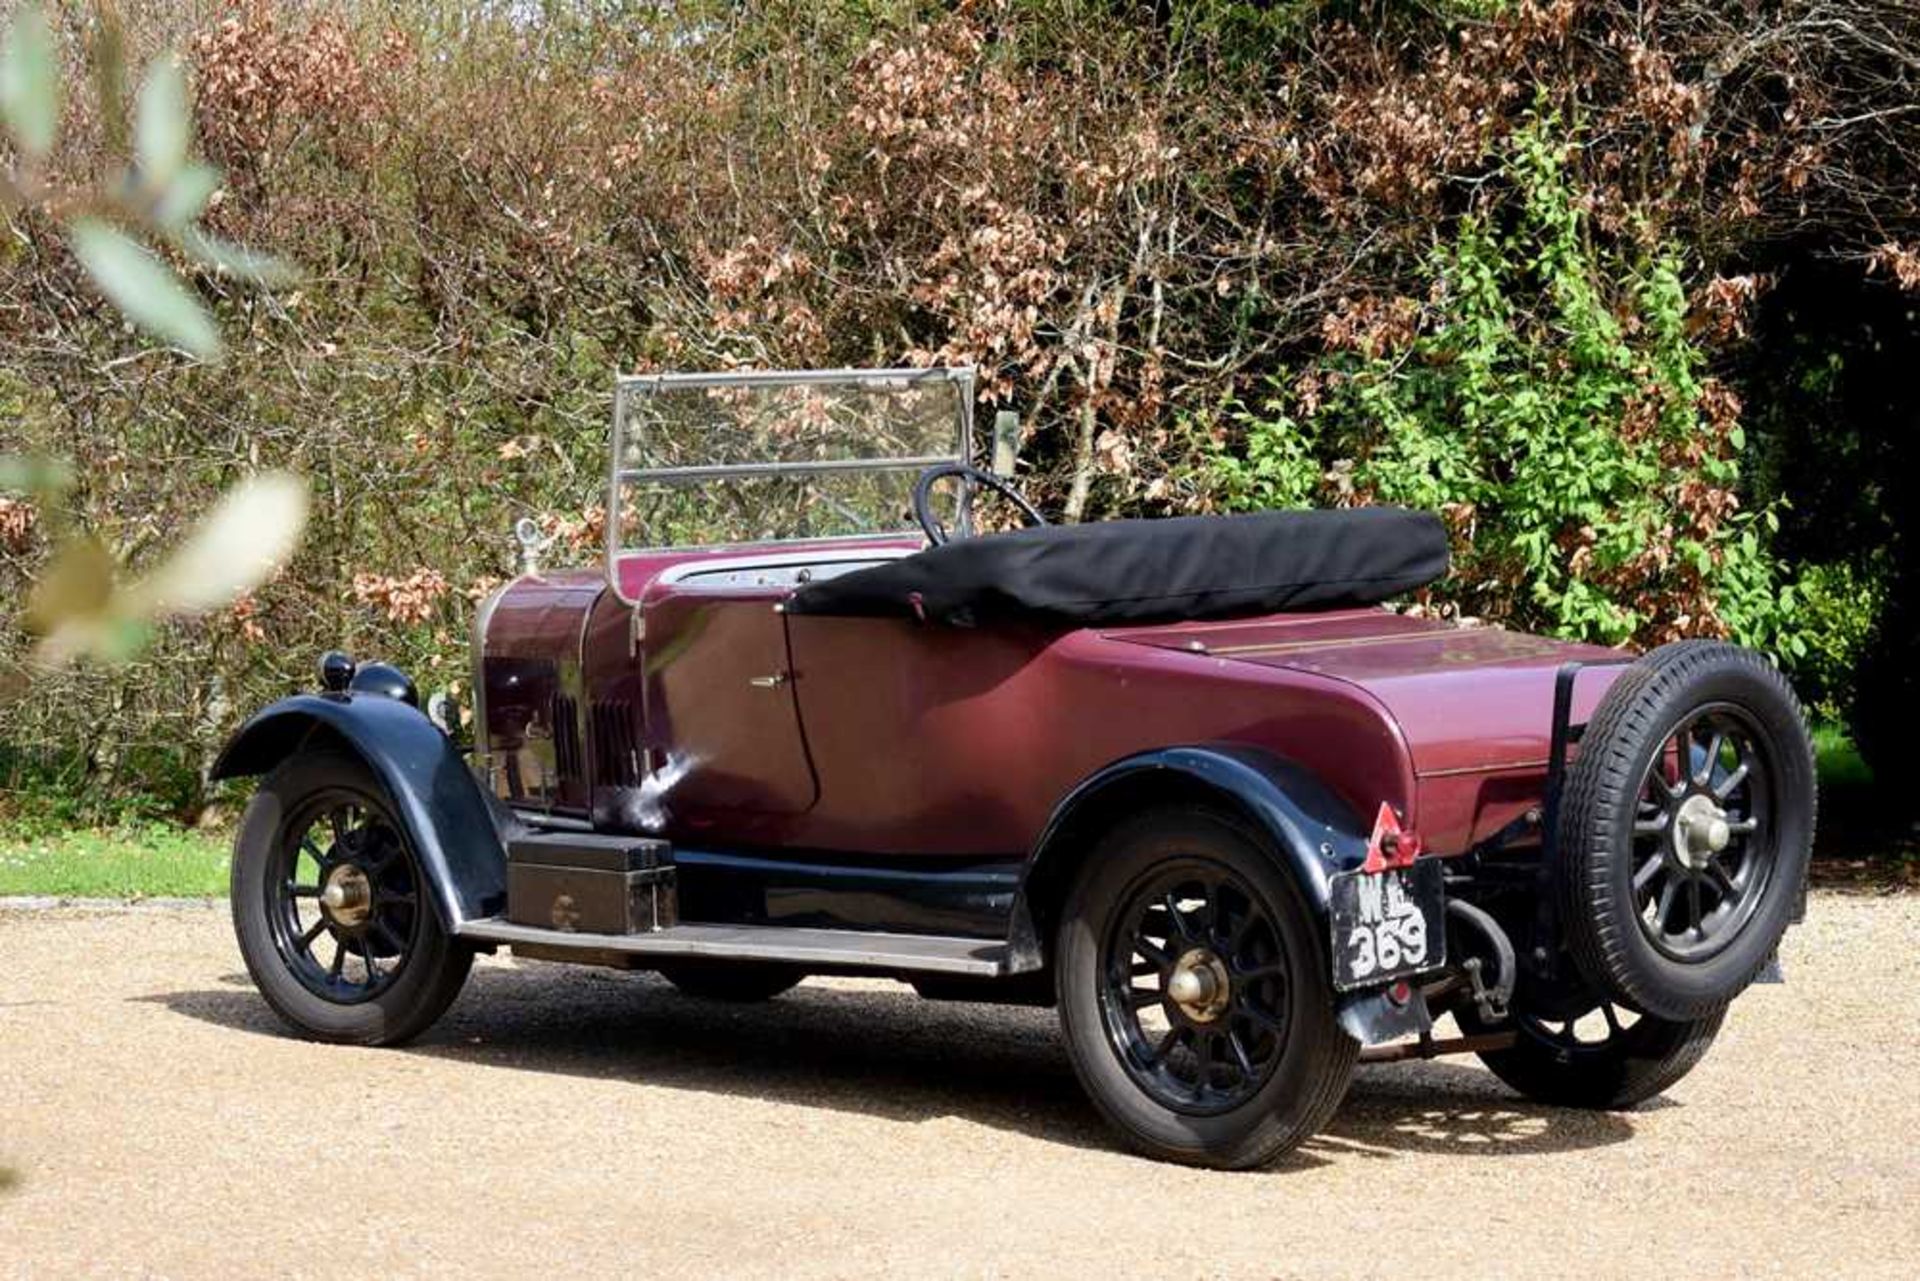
<point x="923" y="496"/>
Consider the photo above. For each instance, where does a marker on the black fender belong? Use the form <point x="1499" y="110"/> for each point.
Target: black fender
<point x="454" y="830"/>
<point x="1310" y="831"/>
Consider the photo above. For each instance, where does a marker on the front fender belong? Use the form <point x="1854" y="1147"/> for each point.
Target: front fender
<point x="434" y="794"/>
<point x="1309" y="830"/>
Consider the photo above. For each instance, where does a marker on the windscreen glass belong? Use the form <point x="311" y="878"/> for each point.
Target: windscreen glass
<point x="704" y="461"/>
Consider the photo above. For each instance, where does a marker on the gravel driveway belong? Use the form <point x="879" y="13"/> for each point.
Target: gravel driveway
<point x="153" y="1119"/>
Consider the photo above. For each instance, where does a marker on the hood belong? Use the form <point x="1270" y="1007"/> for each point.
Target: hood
<point x="1468" y="699"/>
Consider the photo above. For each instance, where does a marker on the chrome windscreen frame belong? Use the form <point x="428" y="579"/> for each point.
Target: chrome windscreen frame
<point x="630" y="387"/>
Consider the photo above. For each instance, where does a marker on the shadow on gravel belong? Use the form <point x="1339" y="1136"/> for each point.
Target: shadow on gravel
<point x="886" y="1052"/>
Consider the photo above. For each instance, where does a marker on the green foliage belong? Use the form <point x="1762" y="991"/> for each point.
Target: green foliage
<point x="135" y="861"/>
<point x="1837" y="605"/>
<point x="1549" y="398"/>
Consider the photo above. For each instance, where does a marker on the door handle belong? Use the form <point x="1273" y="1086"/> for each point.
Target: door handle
<point x="774" y="681"/>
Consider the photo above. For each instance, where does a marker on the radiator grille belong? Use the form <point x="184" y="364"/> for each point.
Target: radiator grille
<point x="566" y="738"/>
<point x="616" y="750"/>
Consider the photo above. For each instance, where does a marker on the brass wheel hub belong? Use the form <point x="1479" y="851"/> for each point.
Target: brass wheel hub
<point x="347" y="897"/>
<point x="1199" y="985"/>
<point x="1699" y="831"/>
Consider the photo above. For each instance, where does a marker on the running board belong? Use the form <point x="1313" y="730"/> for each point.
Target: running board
<point x="824" y="950"/>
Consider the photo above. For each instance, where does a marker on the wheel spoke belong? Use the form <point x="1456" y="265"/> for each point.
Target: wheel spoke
<point x="1613" y="1019"/>
<point x="1652" y="826"/>
<point x="1240" y="1056"/>
<point x="1179" y="921"/>
<point x="1160" y="956"/>
<point x="1269" y="1021"/>
<point x="1693" y="902"/>
<point x="1744" y="826"/>
<point x="1140" y="997"/>
<point x="306" y="940"/>
<point x="1268" y="970"/>
<point x="387" y="935"/>
<point x="339" y="960"/>
<point x="1681" y="764"/>
<point x="383" y="897"/>
<point x="1643" y="879"/>
<point x="1668" y="893"/>
<point x="1724" y="882"/>
<point x="389" y="850"/>
<point x="1711" y="761"/>
<point x="303" y="891"/>
<point x="373" y="966"/>
<point x="1735" y="776"/>
<point x="1242" y="930"/>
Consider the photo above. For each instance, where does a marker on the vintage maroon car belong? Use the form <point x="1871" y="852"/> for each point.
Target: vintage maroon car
<point x="1189" y="780"/>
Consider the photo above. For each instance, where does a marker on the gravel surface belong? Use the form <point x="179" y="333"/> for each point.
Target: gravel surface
<point x="155" y="1120"/>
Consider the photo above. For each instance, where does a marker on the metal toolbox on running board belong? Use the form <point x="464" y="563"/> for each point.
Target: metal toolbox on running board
<point x="591" y="885"/>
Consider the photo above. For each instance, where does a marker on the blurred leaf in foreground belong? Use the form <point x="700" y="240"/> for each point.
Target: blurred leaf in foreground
<point x="80" y="612"/>
<point x="237" y="260"/>
<point x="30" y="82"/>
<point x="238" y="546"/>
<point x="143" y="289"/>
<point x="162" y="128"/>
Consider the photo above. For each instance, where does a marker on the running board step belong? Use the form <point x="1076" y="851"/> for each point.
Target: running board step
<point x="825" y="950"/>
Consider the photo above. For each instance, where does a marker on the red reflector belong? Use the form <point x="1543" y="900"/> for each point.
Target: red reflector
<point x="1390" y="845"/>
<point x="1400" y="993"/>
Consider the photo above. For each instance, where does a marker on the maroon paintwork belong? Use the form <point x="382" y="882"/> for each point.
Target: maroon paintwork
<point x="708" y="715"/>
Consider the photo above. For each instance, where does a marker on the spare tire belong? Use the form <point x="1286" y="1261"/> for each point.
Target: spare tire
<point x="1685" y="826"/>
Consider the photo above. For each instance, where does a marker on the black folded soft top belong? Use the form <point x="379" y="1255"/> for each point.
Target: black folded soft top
<point x="1148" y="571"/>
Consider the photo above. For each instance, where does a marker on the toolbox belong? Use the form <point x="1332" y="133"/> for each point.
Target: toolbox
<point x="591" y="884"/>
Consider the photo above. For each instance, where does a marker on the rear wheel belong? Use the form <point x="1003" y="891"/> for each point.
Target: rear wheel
<point x="331" y="908"/>
<point x="1193" y="992"/>
<point x="1601" y="1057"/>
<point x="740" y="981"/>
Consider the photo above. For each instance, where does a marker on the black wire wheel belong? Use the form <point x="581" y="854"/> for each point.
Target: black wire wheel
<point x="1193" y="993"/>
<point x="1195" y="988"/>
<point x="1592" y="1053"/>
<point x="1686" y="829"/>
<point x="345" y="897"/>
<point x="1701" y="861"/>
<point x="333" y="911"/>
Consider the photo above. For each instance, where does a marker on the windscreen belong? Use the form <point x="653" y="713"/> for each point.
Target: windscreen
<point x="711" y="459"/>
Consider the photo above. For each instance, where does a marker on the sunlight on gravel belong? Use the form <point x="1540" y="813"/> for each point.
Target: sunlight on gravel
<point x="600" y="1122"/>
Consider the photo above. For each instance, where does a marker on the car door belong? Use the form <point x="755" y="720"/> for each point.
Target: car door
<point x="721" y="727"/>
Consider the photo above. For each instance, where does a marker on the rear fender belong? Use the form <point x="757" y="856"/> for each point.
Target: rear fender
<point x="1309" y="831"/>
<point x="454" y="830"/>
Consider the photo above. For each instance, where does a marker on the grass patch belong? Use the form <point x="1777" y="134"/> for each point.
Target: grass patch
<point x="150" y="860"/>
<point x="1837" y="761"/>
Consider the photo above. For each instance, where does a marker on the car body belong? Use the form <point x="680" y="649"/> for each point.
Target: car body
<point x="678" y="763"/>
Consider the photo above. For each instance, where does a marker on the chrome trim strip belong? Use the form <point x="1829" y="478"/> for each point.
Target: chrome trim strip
<point x="806" y="467"/>
<point x="545" y="818"/>
<point x="777" y="377"/>
<point x="852" y="949"/>
<point x="482" y="759"/>
<point x="690" y="568"/>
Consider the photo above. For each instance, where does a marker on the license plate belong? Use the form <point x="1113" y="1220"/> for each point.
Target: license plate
<point x="1387" y="925"/>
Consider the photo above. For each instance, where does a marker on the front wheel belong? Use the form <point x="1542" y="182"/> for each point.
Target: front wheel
<point x="331" y="908"/>
<point x="1193" y="992"/>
